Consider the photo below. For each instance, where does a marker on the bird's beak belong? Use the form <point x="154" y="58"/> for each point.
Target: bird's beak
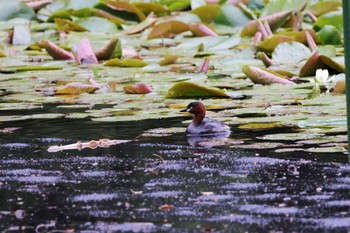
<point x="184" y="110"/>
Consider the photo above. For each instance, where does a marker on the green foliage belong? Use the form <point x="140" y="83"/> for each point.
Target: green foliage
<point x="15" y="9"/>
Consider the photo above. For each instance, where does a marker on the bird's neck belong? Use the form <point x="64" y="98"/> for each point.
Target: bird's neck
<point x="198" y="118"/>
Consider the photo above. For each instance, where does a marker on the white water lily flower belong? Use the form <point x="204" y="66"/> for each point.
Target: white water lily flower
<point x="322" y="76"/>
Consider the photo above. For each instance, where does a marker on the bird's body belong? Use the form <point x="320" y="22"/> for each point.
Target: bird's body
<point x="201" y="125"/>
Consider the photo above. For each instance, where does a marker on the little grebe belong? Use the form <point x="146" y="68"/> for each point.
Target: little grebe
<point x="202" y="125"/>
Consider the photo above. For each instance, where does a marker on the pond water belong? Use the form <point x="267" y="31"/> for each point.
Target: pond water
<point x="162" y="184"/>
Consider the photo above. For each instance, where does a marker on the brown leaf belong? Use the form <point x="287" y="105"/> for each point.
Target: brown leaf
<point x="138" y="88"/>
<point x="108" y="50"/>
<point x="261" y="76"/>
<point x="85" y="53"/>
<point x="269" y="45"/>
<point x="56" y="52"/>
<point x="125" y="6"/>
<point x="77" y="89"/>
<point x="168" y="29"/>
<point x="318" y="61"/>
<point x="339" y="87"/>
<point x="275" y="21"/>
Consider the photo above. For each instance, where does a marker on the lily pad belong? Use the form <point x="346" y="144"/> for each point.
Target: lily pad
<point x="290" y="52"/>
<point x="138" y="88"/>
<point x="269" y="45"/>
<point x="207" y="13"/>
<point x="148" y="7"/>
<point x="76" y="89"/>
<point x="274" y="21"/>
<point x="334" y="18"/>
<point x="121" y="9"/>
<point x="260" y="76"/>
<point x="260" y="126"/>
<point x="329" y="35"/>
<point x="129" y="62"/>
<point x="168" y="29"/>
<point x="193" y="90"/>
<point x="231" y="15"/>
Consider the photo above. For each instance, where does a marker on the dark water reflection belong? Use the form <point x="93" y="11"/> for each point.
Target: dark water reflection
<point x="162" y="184"/>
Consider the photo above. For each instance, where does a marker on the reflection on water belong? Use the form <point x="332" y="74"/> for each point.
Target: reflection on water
<point x="162" y="184"/>
<point x="208" y="140"/>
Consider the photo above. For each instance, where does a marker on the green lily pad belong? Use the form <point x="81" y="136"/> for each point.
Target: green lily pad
<point x="148" y="7"/>
<point x="232" y="16"/>
<point x="281" y="5"/>
<point x="15" y="9"/>
<point x="290" y="52"/>
<point x="291" y="136"/>
<point x="192" y="90"/>
<point x="67" y="25"/>
<point x="121" y="9"/>
<point x="269" y="45"/>
<point x="329" y="35"/>
<point x="97" y="24"/>
<point x="320" y="8"/>
<point x="334" y="18"/>
<point x="207" y="13"/>
<point x="28" y="68"/>
<point x="260" y="126"/>
<point x="129" y="62"/>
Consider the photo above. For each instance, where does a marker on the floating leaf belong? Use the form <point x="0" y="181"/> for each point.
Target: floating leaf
<point x="169" y="59"/>
<point x="290" y="52"/>
<point x="147" y="8"/>
<point x="311" y="65"/>
<point x="67" y="25"/>
<point x="334" y="18"/>
<point x="121" y="9"/>
<point x="141" y="26"/>
<point x="277" y="6"/>
<point x="200" y="29"/>
<point x="333" y="65"/>
<point x="76" y="89"/>
<point x="21" y="35"/>
<point x="98" y="24"/>
<point x="269" y="45"/>
<point x="14" y="69"/>
<point x="232" y="16"/>
<point x="56" y="52"/>
<point x="329" y="35"/>
<point x="193" y="90"/>
<point x="168" y="29"/>
<point x="260" y="126"/>
<point x="15" y="9"/>
<point x="340" y="87"/>
<point x="260" y="76"/>
<point x="110" y="17"/>
<point x="320" y="8"/>
<point x="274" y="21"/>
<point x="179" y="4"/>
<point x="138" y="88"/>
<point x="129" y="62"/>
<point x="85" y="53"/>
<point x="207" y="13"/>
<point x="318" y="61"/>
<point x="109" y="50"/>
